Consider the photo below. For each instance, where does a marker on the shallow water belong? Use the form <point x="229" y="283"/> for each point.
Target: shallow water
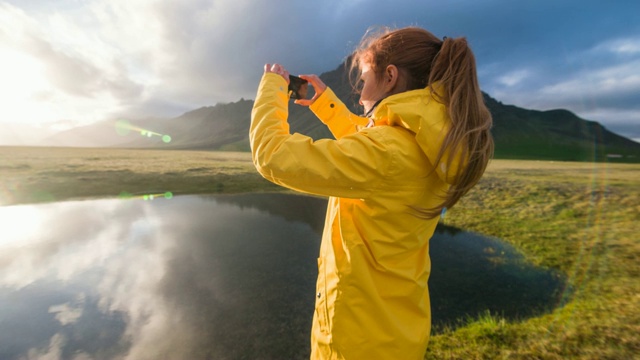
<point x="221" y="277"/>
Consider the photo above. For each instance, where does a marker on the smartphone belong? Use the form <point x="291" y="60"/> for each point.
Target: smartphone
<point x="297" y="87"/>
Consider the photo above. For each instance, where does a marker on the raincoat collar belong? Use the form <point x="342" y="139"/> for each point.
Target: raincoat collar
<point x="419" y="112"/>
<point x="417" y="98"/>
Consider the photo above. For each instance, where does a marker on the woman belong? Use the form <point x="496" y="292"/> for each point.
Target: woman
<point x="423" y="144"/>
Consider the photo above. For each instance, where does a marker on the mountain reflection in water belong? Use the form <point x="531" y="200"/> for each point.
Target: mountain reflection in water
<point x="220" y="277"/>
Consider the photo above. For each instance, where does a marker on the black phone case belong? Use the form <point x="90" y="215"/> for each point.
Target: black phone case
<point x="297" y="87"/>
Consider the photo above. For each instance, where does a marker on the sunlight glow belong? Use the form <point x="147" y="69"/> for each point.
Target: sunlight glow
<point x="19" y="225"/>
<point x="23" y="83"/>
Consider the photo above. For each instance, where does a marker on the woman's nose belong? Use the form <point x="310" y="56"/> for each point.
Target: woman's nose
<point x="360" y="102"/>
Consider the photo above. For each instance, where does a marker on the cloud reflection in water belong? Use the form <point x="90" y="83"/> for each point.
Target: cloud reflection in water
<point x="187" y="278"/>
<point x="222" y="277"/>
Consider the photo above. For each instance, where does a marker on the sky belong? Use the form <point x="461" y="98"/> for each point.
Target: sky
<point x="67" y="63"/>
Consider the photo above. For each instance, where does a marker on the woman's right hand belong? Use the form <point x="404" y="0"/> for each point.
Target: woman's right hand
<point x="318" y="86"/>
<point x="277" y="69"/>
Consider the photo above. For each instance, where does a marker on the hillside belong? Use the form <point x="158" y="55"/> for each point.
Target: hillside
<point x="519" y="133"/>
<point x="555" y="135"/>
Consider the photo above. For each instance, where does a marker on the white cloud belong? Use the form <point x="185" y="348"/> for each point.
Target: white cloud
<point x="126" y="239"/>
<point x="55" y="350"/>
<point x="607" y="94"/>
<point x="594" y="83"/>
<point x="623" y="46"/>
<point x="514" y="77"/>
<point x="26" y="256"/>
<point x="66" y="313"/>
<point x="68" y="65"/>
<point x="52" y="352"/>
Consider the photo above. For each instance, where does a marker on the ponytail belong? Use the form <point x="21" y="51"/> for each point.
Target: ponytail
<point x="454" y="69"/>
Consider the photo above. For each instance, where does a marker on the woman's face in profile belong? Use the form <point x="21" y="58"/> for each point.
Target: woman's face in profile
<point x="371" y="90"/>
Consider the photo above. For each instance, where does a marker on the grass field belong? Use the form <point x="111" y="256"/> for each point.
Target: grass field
<point x="579" y="218"/>
<point x="31" y="174"/>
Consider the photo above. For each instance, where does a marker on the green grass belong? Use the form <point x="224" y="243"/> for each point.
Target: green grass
<point x="578" y="218"/>
<point x="32" y="174"/>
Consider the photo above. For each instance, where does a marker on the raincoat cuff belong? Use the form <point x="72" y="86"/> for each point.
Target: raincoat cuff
<point x="274" y="80"/>
<point x="328" y="108"/>
<point x="325" y="105"/>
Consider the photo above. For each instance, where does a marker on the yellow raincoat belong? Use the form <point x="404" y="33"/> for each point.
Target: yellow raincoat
<point x="372" y="300"/>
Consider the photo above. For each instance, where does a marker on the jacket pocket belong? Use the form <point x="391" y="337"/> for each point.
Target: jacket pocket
<point x="322" y="313"/>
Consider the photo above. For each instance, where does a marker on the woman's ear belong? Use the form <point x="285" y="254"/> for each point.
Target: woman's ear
<point x="391" y="74"/>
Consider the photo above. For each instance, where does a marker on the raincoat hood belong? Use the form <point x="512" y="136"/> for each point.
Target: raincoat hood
<point x="420" y="113"/>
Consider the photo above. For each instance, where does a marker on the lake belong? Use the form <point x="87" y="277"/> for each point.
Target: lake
<point x="210" y="277"/>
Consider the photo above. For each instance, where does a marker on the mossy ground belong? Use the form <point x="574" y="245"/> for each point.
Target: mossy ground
<point x="579" y="218"/>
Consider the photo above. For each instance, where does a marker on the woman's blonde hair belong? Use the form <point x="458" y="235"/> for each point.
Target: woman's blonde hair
<point x="423" y="59"/>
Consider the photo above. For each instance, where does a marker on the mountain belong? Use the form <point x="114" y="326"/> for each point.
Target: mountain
<point x="519" y="133"/>
<point x="555" y="135"/>
<point x="209" y="127"/>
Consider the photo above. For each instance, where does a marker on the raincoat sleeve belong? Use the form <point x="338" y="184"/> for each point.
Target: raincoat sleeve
<point x="335" y="114"/>
<point x="353" y="166"/>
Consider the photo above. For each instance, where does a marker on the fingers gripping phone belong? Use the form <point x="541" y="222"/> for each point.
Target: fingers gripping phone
<point x="297" y="87"/>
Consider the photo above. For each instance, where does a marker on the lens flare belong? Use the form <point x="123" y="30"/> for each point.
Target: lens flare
<point x="124" y="127"/>
<point x="146" y="197"/>
<point x="591" y="258"/>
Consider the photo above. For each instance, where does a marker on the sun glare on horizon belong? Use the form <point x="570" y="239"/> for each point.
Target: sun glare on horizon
<point x="29" y="97"/>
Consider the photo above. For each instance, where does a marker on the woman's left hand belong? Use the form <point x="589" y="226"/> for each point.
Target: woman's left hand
<point x="277" y="69"/>
<point x="318" y="86"/>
